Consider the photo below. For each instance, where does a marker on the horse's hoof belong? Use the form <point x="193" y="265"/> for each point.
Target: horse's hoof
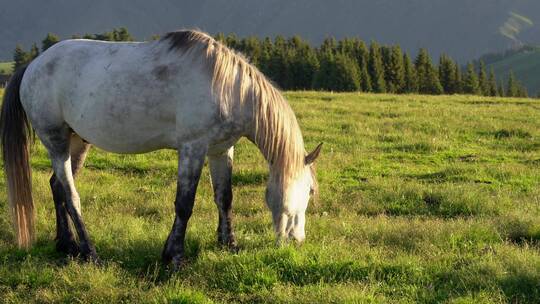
<point x="92" y="259"/>
<point x="166" y="257"/>
<point x="69" y="247"/>
<point x="90" y="256"/>
<point x="229" y="243"/>
<point x="233" y="246"/>
<point x="178" y="263"/>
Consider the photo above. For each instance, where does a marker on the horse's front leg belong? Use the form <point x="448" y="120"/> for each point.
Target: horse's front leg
<point x="190" y="162"/>
<point x="221" y="172"/>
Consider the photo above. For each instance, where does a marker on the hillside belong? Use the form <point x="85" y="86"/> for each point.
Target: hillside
<point x="525" y="65"/>
<point x="462" y="28"/>
<point x="422" y="200"/>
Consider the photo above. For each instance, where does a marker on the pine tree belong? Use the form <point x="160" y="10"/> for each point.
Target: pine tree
<point x="304" y="65"/>
<point x="220" y="37"/>
<point x="361" y="54"/>
<point x="483" y="79"/>
<point x="385" y="59"/>
<point x="232" y="41"/>
<point x="470" y="81"/>
<point x="428" y="79"/>
<point x="522" y="91"/>
<point x="267" y="49"/>
<point x="50" y="40"/>
<point x="492" y="83"/>
<point x="279" y="62"/>
<point x="434" y="85"/>
<point x="375" y="69"/>
<point x="324" y="79"/>
<point x="500" y="90"/>
<point x="328" y="45"/>
<point x="365" y="80"/>
<point x="34" y="52"/>
<point x="122" y="34"/>
<point x="107" y="36"/>
<point x="410" y="81"/>
<point x="346" y="47"/>
<point x="458" y="80"/>
<point x="20" y="57"/>
<point x="447" y="74"/>
<point x="251" y="47"/>
<point x="395" y="72"/>
<point x="348" y="76"/>
<point x="512" y="89"/>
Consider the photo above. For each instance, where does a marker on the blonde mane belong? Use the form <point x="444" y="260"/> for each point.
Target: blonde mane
<point x="234" y="79"/>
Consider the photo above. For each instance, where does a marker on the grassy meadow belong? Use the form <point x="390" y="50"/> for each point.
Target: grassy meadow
<point x="6" y="67"/>
<point x="423" y="199"/>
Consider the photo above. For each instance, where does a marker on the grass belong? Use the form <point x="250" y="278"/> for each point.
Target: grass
<point x="6" y="67"/>
<point x="423" y="199"/>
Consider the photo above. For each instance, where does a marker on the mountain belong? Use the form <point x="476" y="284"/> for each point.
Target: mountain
<point x="465" y="29"/>
<point x="524" y="62"/>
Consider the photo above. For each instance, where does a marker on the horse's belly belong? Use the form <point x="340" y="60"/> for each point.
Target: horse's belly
<point x="126" y="130"/>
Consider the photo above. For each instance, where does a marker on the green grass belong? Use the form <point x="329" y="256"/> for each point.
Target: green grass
<point x="423" y="199"/>
<point x="6" y="67"/>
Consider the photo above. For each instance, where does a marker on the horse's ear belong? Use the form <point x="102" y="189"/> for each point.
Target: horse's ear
<point x="311" y="157"/>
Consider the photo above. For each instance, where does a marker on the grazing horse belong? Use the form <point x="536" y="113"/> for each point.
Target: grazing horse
<point x="186" y="92"/>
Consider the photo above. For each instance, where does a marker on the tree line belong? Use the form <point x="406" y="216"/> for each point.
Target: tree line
<point x="346" y="65"/>
<point x="22" y="57"/>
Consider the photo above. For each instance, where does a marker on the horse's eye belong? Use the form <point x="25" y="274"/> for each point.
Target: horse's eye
<point x="311" y="191"/>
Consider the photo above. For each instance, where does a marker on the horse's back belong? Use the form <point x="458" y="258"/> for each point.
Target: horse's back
<point x="122" y="97"/>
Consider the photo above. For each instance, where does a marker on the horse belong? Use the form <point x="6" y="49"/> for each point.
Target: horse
<point x="185" y="91"/>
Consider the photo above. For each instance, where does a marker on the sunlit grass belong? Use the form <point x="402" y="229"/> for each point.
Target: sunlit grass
<point x="423" y="199"/>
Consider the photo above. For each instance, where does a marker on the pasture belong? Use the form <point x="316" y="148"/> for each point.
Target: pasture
<point x="423" y="199"/>
<point x="6" y="67"/>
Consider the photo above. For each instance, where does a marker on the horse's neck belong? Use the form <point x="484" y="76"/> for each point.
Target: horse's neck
<point x="282" y="145"/>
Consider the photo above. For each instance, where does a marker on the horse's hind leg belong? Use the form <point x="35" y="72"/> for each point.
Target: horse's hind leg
<point x="65" y="242"/>
<point x="57" y="141"/>
<point x="221" y="172"/>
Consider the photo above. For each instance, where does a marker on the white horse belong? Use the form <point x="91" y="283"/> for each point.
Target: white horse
<point x="186" y="92"/>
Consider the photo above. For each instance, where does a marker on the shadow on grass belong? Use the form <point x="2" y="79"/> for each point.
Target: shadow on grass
<point x="138" y="258"/>
<point x="246" y="178"/>
<point x="420" y="148"/>
<point x="506" y="133"/>
<point x="446" y="175"/>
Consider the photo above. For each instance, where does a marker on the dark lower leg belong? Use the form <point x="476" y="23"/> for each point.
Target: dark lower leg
<point x="64" y="174"/>
<point x="65" y="241"/>
<point x="225" y="227"/>
<point x="221" y="172"/>
<point x="87" y="249"/>
<point x="191" y="160"/>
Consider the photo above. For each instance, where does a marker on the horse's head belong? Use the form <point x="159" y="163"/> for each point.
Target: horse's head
<point x="289" y="203"/>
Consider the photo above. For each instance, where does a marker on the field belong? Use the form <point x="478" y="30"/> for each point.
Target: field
<point x="423" y="199"/>
<point x="6" y="67"/>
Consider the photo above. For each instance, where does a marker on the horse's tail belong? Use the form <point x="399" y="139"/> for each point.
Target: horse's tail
<point x="16" y="139"/>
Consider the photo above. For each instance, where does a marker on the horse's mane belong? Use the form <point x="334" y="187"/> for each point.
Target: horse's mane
<point x="234" y="79"/>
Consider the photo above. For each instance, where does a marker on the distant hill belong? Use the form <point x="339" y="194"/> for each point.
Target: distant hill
<point x="464" y="29"/>
<point x="524" y="62"/>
